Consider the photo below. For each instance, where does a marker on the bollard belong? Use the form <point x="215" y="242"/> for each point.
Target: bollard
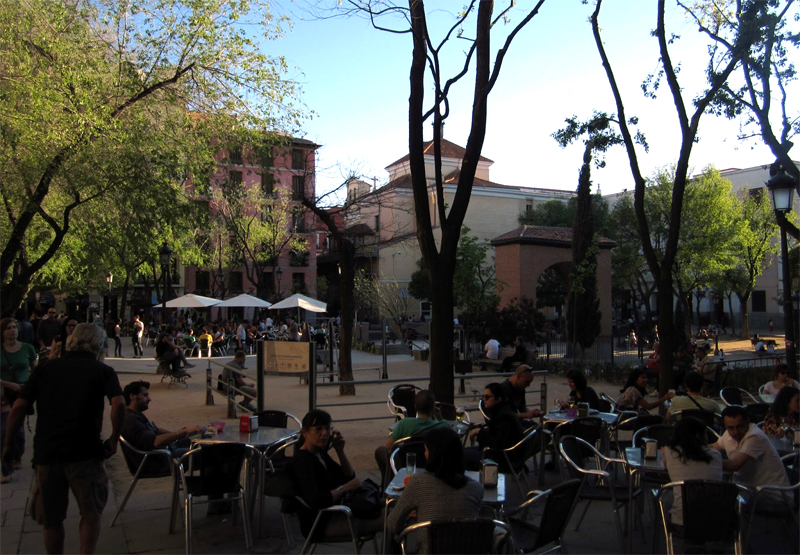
<point x="231" y="401"/>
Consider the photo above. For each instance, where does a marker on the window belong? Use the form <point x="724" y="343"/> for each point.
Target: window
<point x="299" y="283"/>
<point x="202" y="281"/>
<point x="377" y="223"/>
<point x="268" y="183"/>
<point x="235" y="155"/>
<point x="298" y="187"/>
<point x="528" y="207"/>
<point x="265" y="157"/>
<point x="759" y="300"/>
<point x="298" y="258"/>
<point x="298" y="220"/>
<point x="298" y="159"/>
<point x="268" y="283"/>
<point x="235" y="282"/>
<point x="235" y="178"/>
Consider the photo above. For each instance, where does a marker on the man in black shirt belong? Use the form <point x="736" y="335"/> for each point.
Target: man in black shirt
<point x="168" y="351"/>
<point x="514" y="392"/>
<point x="68" y="454"/>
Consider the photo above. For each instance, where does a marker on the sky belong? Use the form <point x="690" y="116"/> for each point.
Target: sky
<point x="355" y="80"/>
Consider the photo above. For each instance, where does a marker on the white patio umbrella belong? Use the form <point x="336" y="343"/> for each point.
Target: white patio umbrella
<point x="190" y="300"/>
<point x="245" y="300"/>
<point x="301" y="301"/>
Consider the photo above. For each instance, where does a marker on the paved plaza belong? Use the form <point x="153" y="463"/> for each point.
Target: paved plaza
<point x="143" y="526"/>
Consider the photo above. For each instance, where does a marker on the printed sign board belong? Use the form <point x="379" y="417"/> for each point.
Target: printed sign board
<point x="287" y="357"/>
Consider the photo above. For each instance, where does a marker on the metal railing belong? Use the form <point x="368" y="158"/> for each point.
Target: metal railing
<point x="229" y="389"/>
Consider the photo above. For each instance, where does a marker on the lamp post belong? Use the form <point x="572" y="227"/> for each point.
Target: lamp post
<point x="781" y="187"/>
<point x="109" y="279"/>
<point x="279" y="275"/>
<point x="165" y="257"/>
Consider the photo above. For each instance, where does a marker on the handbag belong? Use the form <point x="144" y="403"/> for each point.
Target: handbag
<point x="366" y="501"/>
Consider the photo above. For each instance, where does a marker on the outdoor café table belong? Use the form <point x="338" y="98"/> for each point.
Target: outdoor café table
<point x="637" y="463"/>
<point x="782" y="445"/>
<point x="566" y="416"/>
<point x="460" y="427"/>
<point x="262" y="439"/>
<point x="492" y="497"/>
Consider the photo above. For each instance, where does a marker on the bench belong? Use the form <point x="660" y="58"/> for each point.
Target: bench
<point x="486" y="363"/>
<point x="165" y="369"/>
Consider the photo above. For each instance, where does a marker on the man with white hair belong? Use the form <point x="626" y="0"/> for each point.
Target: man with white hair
<point x="68" y="454"/>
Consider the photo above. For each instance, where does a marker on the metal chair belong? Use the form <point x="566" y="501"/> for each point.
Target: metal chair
<point x="559" y="503"/>
<point x="401" y="400"/>
<point x="710" y="419"/>
<point x="757" y="412"/>
<point x="144" y="465"/>
<point x="467" y="535"/>
<point x="278" y="483"/>
<point x="778" y="502"/>
<point x="596" y="484"/>
<point x="632" y="424"/>
<point x="317" y="534"/>
<point x="662" y="433"/>
<point x="403" y="446"/>
<point x="611" y="402"/>
<point x="736" y="396"/>
<point x="482" y="409"/>
<point x="514" y="460"/>
<point x="276" y="419"/>
<point x="204" y="345"/>
<point x="220" y="467"/>
<point x="711" y="514"/>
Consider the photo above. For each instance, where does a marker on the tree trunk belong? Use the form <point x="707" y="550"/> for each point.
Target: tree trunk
<point x="730" y="310"/>
<point x="441" y="337"/>
<point x="666" y="332"/>
<point x="745" y="313"/>
<point x="12" y="295"/>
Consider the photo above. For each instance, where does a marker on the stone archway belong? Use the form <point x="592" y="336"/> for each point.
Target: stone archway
<point x="522" y="255"/>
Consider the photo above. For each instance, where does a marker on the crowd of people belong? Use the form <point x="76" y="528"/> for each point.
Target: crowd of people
<point x="71" y="386"/>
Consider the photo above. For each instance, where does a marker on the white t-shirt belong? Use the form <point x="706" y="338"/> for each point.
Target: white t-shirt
<point x="492" y="349"/>
<point x="689" y="470"/>
<point x="770" y="389"/>
<point x="766" y="467"/>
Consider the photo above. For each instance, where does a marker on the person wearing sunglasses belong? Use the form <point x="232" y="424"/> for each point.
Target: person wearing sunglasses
<point x="780" y="379"/>
<point x="503" y="429"/>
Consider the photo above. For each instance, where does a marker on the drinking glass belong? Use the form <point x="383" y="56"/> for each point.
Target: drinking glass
<point x="556" y="404"/>
<point x="411" y="464"/>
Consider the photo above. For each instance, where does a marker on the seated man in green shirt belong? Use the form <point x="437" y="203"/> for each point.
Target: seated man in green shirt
<point x="425" y="404"/>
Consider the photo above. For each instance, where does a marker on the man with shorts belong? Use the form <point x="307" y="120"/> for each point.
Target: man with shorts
<point x="68" y="455"/>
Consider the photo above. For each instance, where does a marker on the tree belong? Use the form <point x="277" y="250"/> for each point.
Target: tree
<point x="708" y="227"/>
<point x="583" y="306"/>
<point x="93" y="77"/>
<point x="751" y="18"/>
<point x="760" y="95"/>
<point x="475" y="288"/>
<point x="440" y="256"/>
<point x="753" y="244"/>
<point x="630" y="271"/>
<point x="555" y="213"/>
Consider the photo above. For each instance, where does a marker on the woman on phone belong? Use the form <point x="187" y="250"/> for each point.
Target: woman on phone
<point x="321" y="482"/>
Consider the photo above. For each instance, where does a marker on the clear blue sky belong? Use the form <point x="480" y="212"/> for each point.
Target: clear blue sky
<point x="355" y="79"/>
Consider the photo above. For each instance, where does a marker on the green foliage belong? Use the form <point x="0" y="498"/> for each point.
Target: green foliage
<point x="521" y="317"/>
<point x="555" y="213"/>
<point x="474" y="285"/>
<point x="120" y="97"/>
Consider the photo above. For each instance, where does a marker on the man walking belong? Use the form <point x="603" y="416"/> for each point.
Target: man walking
<point x="68" y="455"/>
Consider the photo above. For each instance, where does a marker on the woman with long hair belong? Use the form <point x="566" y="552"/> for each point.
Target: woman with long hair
<point x="444" y="491"/>
<point x="783" y="415"/>
<point x="687" y="457"/>
<point x="17" y="360"/>
<point x="60" y="342"/>
<point x="579" y="390"/>
<point x="634" y="392"/>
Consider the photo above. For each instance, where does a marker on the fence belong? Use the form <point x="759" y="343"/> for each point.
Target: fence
<point x="229" y="389"/>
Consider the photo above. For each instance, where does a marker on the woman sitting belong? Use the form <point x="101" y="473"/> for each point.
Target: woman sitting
<point x="780" y="379"/>
<point x="443" y="492"/>
<point x="783" y="414"/>
<point x="633" y="394"/>
<point x="321" y="482"/>
<point x="579" y="390"/>
<point x="687" y="457"/>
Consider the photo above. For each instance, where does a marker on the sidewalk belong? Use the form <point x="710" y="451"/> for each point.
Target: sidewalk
<point x="142" y="527"/>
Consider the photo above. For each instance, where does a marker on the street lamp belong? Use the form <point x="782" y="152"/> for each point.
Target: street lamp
<point x="279" y="275"/>
<point x="781" y="187"/>
<point x="109" y="279"/>
<point x="165" y="257"/>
